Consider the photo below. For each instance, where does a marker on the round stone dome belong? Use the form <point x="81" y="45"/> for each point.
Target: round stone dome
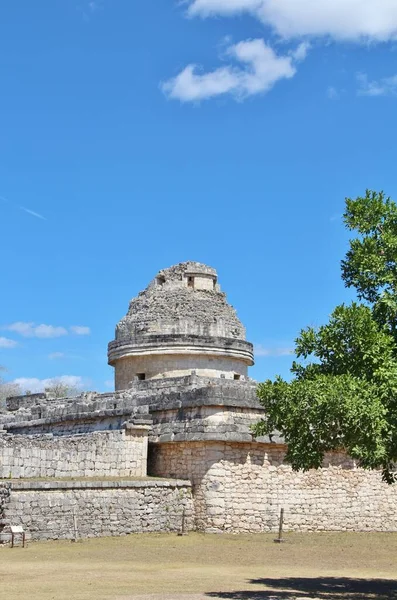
<point x="179" y="323"/>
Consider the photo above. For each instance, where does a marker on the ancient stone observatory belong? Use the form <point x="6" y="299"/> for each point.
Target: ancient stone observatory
<point x="179" y="324"/>
<point x="182" y="412"/>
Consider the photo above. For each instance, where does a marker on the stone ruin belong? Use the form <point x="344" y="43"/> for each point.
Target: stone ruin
<point x="173" y="443"/>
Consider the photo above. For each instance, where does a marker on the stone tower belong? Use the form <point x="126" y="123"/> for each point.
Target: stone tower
<point x="180" y="323"/>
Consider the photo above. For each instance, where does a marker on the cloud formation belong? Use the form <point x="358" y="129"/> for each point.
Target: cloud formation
<point x="386" y="86"/>
<point x="348" y="20"/>
<point x="261" y="69"/>
<point x="30" y="329"/>
<point x="260" y="350"/>
<point x="7" y="343"/>
<point x="56" y="355"/>
<point x="80" y="330"/>
<point x="332" y="93"/>
<point x="36" y="385"/>
<point x="38" y="331"/>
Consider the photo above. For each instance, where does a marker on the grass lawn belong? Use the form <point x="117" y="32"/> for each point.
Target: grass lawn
<point x="329" y="566"/>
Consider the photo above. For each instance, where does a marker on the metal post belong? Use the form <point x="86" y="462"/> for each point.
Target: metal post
<point x="76" y="533"/>
<point x="182" y="531"/>
<point x="279" y="539"/>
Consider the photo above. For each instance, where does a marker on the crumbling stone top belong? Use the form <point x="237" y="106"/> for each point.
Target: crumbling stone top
<point x="177" y="272"/>
<point x="183" y="299"/>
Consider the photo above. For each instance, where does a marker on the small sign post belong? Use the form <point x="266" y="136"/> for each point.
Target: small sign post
<point x="17" y="530"/>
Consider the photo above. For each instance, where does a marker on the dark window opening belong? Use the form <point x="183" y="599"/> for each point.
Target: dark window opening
<point x="190" y="282"/>
<point x="236" y="376"/>
<point x="160" y="280"/>
<point x="141" y="376"/>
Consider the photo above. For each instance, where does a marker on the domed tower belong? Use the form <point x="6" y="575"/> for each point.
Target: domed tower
<point x="180" y="323"/>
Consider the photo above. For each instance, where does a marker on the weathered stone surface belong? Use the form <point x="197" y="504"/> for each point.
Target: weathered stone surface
<point x="121" y="453"/>
<point x="179" y="323"/>
<point x="68" y="510"/>
<point x="195" y="408"/>
<point x="241" y="487"/>
<point x="169" y="306"/>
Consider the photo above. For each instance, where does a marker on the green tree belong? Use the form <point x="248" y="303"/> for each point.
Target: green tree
<point x="344" y="393"/>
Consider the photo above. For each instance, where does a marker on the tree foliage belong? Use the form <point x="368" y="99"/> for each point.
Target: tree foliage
<point x="59" y="389"/>
<point x="7" y="389"/>
<point x="344" y="393"/>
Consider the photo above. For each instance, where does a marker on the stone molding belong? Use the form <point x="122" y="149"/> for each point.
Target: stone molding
<point x="180" y="344"/>
<point x="22" y="484"/>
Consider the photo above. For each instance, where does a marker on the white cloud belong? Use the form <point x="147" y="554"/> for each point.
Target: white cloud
<point x="109" y="384"/>
<point x="383" y="87"/>
<point x="332" y="93"/>
<point x="301" y="51"/>
<point x="352" y="20"/>
<point x="33" y="330"/>
<point x="7" y="343"/>
<point x="80" y="330"/>
<point x="56" y="355"/>
<point x="30" y="329"/>
<point x="35" y="385"/>
<point x="263" y="68"/>
<point x="260" y="350"/>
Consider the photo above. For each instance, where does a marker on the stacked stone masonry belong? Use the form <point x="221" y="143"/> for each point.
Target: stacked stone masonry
<point x="121" y="453"/>
<point x="179" y="323"/>
<point x="182" y="411"/>
<point x="240" y="488"/>
<point x="69" y="510"/>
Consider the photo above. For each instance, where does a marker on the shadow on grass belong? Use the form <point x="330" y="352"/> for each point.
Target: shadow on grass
<point x="323" y="588"/>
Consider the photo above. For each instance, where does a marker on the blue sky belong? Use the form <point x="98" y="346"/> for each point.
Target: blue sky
<point x="138" y="134"/>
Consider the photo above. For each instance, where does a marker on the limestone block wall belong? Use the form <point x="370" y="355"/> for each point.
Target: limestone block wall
<point x="241" y="488"/>
<point x="201" y="282"/>
<point x="92" y="509"/>
<point x="67" y="427"/>
<point x="176" y="365"/>
<point x="121" y="453"/>
<point x="5" y="490"/>
<point x="203" y="423"/>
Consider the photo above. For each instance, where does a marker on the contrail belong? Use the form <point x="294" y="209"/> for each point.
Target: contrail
<point x="30" y="212"/>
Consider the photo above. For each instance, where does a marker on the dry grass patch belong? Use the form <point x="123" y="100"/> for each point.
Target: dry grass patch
<point x="330" y="566"/>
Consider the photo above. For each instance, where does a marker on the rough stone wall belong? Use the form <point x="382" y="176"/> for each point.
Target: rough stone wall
<point x="5" y="490"/>
<point x="120" y="453"/>
<point x="63" y="428"/>
<point x="168" y="306"/>
<point x="87" y="406"/>
<point x="241" y="488"/>
<point x="86" y="509"/>
<point x="200" y="423"/>
<point x="176" y="365"/>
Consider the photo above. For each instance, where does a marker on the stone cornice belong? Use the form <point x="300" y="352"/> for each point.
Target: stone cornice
<point x="181" y="344"/>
